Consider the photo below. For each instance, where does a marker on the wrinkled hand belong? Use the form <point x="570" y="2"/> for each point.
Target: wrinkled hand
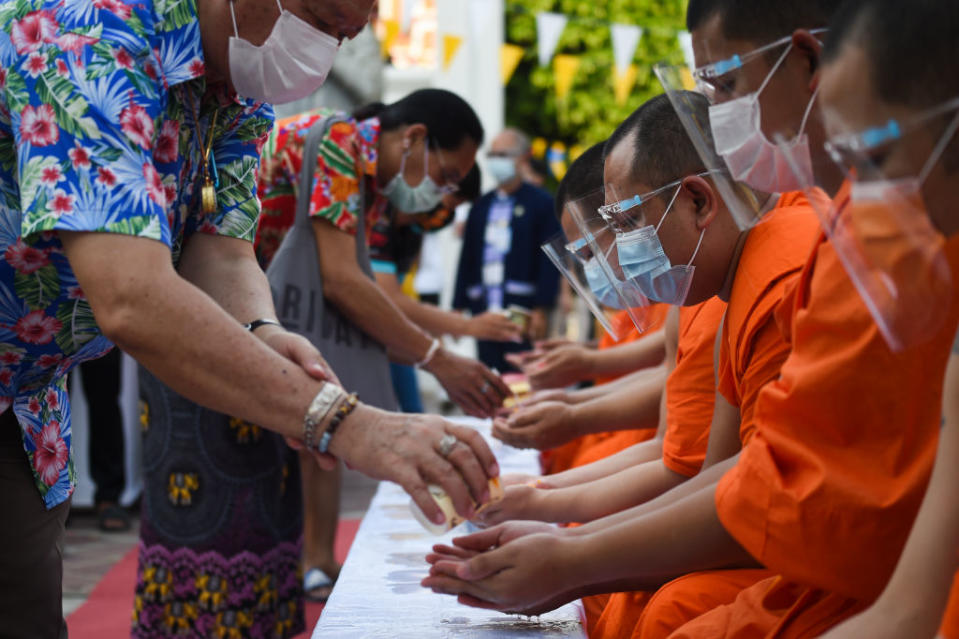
<point x="473" y="387"/>
<point x="405" y="449"/>
<point x="561" y="367"/>
<point x="519" y="576"/>
<point x="544" y="425"/>
<point x="494" y="327"/>
<point x="518" y="502"/>
<point x="299" y="350"/>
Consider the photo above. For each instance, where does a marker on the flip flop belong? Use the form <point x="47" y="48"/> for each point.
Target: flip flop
<point x="315" y="579"/>
<point x="113" y="518"/>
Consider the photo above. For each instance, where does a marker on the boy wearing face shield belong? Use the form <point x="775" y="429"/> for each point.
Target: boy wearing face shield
<point x="673" y="219"/>
<point x="905" y="125"/>
<point x="573" y="428"/>
<point x="751" y="270"/>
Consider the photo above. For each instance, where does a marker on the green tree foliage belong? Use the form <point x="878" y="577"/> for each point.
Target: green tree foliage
<point x="589" y="113"/>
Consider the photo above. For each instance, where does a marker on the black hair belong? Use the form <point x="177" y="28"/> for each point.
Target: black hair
<point x="911" y="47"/>
<point x="583" y="176"/>
<point x="470" y="185"/>
<point x="760" y="21"/>
<point x="662" y="150"/>
<point x="447" y="116"/>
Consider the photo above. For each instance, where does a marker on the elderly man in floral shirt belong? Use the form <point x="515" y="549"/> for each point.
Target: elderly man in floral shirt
<point x="123" y="142"/>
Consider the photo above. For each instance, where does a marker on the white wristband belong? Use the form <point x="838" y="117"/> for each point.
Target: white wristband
<point x="430" y="354"/>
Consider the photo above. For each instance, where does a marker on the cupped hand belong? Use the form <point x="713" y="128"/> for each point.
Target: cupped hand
<point x="561" y="367"/>
<point x="541" y="426"/>
<point x="405" y="449"/>
<point x="520" y="575"/>
<point x="494" y="327"/>
<point x="502" y="534"/>
<point x="518" y="502"/>
<point x="473" y="387"/>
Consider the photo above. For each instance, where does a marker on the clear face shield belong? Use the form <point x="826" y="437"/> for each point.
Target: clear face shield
<point x="574" y="260"/>
<point x="692" y="108"/>
<point x="879" y="225"/>
<point x="735" y="129"/>
<point x="596" y="249"/>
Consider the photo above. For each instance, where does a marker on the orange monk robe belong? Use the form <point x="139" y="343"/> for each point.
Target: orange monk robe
<point x="770" y="262"/>
<point x="827" y="490"/>
<point x="595" y="446"/>
<point x="691" y="388"/>
<point x="753" y="347"/>
<point x="950" y="621"/>
<point x="690" y="394"/>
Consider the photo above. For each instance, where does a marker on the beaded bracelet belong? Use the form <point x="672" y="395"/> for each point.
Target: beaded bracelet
<point x="319" y="409"/>
<point x="342" y="412"/>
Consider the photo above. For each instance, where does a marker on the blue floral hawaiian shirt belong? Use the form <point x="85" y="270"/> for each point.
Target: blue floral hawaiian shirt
<point x="103" y="112"/>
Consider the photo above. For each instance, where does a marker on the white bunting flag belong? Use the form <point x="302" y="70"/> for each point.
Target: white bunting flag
<point x="480" y="13"/>
<point x="626" y="39"/>
<point x="549" y="27"/>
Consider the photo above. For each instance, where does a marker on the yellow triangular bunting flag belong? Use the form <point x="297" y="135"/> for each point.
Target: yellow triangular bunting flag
<point x="509" y="57"/>
<point x="623" y="83"/>
<point x="564" y="71"/>
<point x="451" y="44"/>
<point x="391" y="29"/>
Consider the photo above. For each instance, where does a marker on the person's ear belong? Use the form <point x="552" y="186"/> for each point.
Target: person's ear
<point x="809" y="47"/>
<point x="414" y="135"/>
<point x="704" y="199"/>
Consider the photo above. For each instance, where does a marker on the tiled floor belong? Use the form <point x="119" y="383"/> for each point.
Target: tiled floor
<point x="89" y="553"/>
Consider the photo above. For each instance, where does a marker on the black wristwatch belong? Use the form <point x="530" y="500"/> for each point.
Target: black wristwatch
<point x="255" y="324"/>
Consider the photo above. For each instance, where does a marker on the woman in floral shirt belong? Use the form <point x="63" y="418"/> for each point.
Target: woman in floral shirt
<point x="425" y="143"/>
<point x="110" y="114"/>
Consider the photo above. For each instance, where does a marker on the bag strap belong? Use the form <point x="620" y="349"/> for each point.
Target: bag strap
<point x="311" y="149"/>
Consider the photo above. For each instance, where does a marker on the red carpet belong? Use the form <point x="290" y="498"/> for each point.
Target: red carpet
<point x="107" y="611"/>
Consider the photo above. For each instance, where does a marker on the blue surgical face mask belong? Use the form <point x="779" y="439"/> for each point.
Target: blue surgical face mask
<point x="600" y="285"/>
<point x="421" y="198"/>
<point x="643" y="260"/>
<point x="503" y="169"/>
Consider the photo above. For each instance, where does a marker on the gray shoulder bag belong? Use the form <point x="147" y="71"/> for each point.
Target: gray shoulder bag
<point x="297" y="285"/>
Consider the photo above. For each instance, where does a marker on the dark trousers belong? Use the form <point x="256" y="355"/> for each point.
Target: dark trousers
<point x="31" y="547"/>
<point x="492" y="354"/>
<point x="101" y="386"/>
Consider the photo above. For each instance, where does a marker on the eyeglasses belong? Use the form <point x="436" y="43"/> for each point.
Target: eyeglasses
<point x="451" y="180"/>
<point x="848" y="150"/>
<point x="709" y="77"/>
<point x="615" y="213"/>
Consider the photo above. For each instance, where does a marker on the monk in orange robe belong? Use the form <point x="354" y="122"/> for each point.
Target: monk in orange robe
<point x="753" y="269"/>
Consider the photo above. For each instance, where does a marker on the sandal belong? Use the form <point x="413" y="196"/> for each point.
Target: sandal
<point x="317" y="585"/>
<point x="112" y="518"/>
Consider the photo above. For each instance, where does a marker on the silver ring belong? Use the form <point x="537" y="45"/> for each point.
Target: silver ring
<point x="485" y="388"/>
<point x="446" y="444"/>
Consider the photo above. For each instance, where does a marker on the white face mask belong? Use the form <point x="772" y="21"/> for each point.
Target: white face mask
<point x="292" y="63"/>
<point x="423" y="197"/>
<point x="751" y="158"/>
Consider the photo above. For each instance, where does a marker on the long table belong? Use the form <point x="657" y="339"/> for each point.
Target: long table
<point x="378" y="593"/>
